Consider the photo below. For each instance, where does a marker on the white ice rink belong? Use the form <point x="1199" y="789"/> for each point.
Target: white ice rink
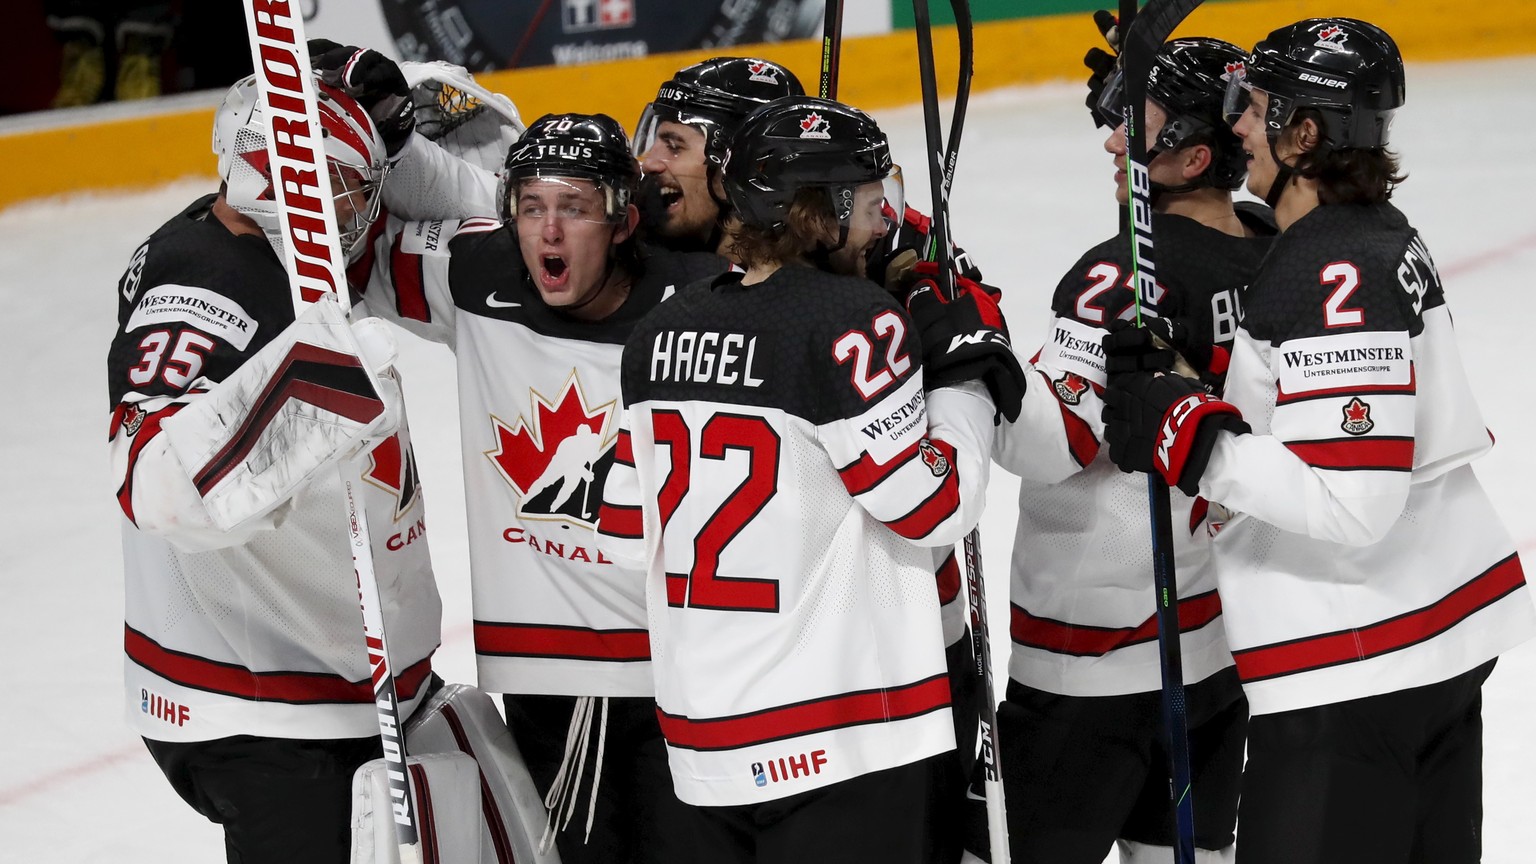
<point x="1033" y="191"/>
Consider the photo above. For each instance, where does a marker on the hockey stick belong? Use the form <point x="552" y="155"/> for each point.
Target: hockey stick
<point x="1141" y="39"/>
<point x="831" y="49"/>
<point x="940" y="180"/>
<point x="301" y="186"/>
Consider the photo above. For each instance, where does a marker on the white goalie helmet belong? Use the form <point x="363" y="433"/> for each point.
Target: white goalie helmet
<point x="351" y="142"/>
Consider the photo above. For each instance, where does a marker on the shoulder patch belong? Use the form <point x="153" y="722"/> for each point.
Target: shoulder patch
<point x="1346" y="360"/>
<point x="1357" y="417"/>
<point x="1070" y="388"/>
<point x="428" y="238"/>
<point x="208" y="311"/>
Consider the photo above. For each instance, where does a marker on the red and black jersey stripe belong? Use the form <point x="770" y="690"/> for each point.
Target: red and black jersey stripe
<point x="942" y="504"/>
<point x="1385" y="636"/>
<point x="857" y="708"/>
<point x="1082" y="640"/>
<point x="149" y="427"/>
<point x="866" y="473"/>
<point x="329" y="379"/>
<point x="624" y="449"/>
<point x="231" y="679"/>
<point x="410" y="281"/>
<point x="948" y="578"/>
<point x="620" y="520"/>
<point x="561" y="642"/>
<point x="1370" y="453"/>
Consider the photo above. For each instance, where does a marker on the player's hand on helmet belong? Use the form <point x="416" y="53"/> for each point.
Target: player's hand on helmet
<point x="902" y="259"/>
<point x="1101" y="63"/>
<point x="375" y="81"/>
<point x="1155" y="421"/>
<point x="966" y="339"/>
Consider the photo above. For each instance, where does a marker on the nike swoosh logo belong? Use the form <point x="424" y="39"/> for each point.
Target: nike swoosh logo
<point x="492" y="302"/>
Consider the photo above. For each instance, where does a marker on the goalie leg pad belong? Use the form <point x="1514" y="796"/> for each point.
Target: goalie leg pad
<point x="506" y="808"/>
<point x="446" y="787"/>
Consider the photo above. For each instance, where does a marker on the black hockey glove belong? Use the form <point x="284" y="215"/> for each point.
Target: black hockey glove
<point x="377" y="84"/>
<point x="966" y="339"/>
<point x="904" y="258"/>
<point x="1152" y="346"/>
<point x="1165" y="423"/>
<point x="1101" y="63"/>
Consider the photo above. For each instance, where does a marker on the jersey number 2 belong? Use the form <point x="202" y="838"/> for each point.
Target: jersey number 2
<point x="1345" y="277"/>
<point x="857" y="345"/>
<point x="703" y="587"/>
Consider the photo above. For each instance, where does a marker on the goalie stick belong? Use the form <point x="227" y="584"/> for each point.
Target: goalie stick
<point x="940" y="181"/>
<point x="1141" y="38"/>
<point x="281" y="58"/>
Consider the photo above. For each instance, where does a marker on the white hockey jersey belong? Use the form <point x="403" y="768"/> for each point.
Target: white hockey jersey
<point x="1083" y="610"/>
<point x="538" y="416"/>
<point x="254" y="630"/>
<point x="1362" y="556"/>
<point x="782" y="477"/>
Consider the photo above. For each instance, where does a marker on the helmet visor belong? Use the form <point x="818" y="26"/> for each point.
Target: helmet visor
<point x="537" y="200"/>
<point x="1238" y="97"/>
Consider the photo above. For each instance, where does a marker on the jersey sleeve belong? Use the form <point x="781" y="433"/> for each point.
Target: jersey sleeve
<point x="1060" y="430"/>
<point x="428" y="182"/>
<point x="1337" y="460"/>
<point x="916" y="461"/>
<point x="620" y="519"/>
<point x="408" y="271"/>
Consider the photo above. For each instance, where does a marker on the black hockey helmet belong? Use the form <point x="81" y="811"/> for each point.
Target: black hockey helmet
<point x="1189" y="79"/>
<point x="586" y="146"/>
<point x="798" y="143"/>
<point x="1349" y="71"/>
<point x="713" y="97"/>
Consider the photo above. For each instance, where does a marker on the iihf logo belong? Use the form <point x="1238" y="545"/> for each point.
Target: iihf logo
<point x="763" y="72"/>
<point x="814" y="126"/>
<point x="161" y="708"/>
<point x="758" y="776"/>
<point x="1332" y="38"/>
<point x="1357" y="417"/>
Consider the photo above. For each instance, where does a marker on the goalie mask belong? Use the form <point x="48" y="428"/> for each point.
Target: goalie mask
<point x="573" y="148"/>
<point x="354" y="153"/>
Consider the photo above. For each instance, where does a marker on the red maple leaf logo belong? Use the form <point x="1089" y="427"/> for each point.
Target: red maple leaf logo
<point x="1357" y="417"/>
<point x="756" y="67"/>
<point x="1329" y="32"/>
<point x="392" y="467"/>
<point x="811" y="121"/>
<point x="1070" y="388"/>
<point x="1235" y="66"/>
<point x="559" y="445"/>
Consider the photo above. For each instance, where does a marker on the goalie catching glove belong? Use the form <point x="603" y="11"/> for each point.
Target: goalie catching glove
<point x="377" y="84"/>
<point x="1166" y="423"/>
<point x="966" y="339"/>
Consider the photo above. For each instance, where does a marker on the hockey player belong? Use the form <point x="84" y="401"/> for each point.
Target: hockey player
<point x="779" y="478"/>
<point x="1346" y="429"/>
<point x="537" y="305"/>
<point x="681" y="141"/>
<point x="245" y="669"/>
<point x="1081" y="722"/>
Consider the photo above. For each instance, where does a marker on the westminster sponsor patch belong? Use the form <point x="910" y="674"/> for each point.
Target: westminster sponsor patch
<point x="428" y="238"/>
<point x="892" y="424"/>
<point x="208" y="311"/>
<point x="1344" y="361"/>
<point x="1074" y="347"/>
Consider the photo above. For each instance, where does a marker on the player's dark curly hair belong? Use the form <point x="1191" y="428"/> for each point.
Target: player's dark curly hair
<point x="1350" y="175"/>
<point x="810" y="223"/>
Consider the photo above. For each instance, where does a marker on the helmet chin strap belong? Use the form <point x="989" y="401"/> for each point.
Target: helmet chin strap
<point x="1283" y="173"/>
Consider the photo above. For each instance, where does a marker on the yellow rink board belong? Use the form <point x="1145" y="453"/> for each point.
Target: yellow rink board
<point x="877" y="72"/>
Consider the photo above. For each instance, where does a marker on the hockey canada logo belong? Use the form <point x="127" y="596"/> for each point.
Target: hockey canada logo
<point x="931" y="457"/>
<point x="133" y="418"/>
<point x="1357" y="417"/>
<point x="558" y="456"/>
<point x="763" y="72"/>
<point x="815" y="126"/>
<point x="1332" y="38"/>
<point x="1235" y="67"/>
<point x="392" y="467"/>
<point x="1070" y="388"/>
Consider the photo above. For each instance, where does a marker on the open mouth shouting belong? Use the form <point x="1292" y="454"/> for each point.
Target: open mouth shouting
<point x="553" y="272"/>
